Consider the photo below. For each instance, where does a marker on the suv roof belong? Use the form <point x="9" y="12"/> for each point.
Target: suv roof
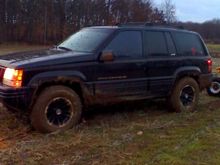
<point x="164" y="27"/>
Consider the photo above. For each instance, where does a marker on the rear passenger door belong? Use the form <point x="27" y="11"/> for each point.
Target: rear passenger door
<point x="162" y="62"/>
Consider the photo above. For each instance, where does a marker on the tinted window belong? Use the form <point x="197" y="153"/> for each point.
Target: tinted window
<point x="127" y="43"/>
<point x="188" y="44"/>
<point x="155" y="44"/>
<point x="86" y="40"/>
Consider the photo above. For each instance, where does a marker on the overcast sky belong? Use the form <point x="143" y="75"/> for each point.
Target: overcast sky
<point x="195" y="10"/>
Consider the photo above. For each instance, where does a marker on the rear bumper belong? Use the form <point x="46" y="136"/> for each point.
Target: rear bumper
<point x="205" y="80"/>
<point x="18" y="99"/>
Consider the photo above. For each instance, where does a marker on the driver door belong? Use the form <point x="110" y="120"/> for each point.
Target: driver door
<point x="124" y="76"/>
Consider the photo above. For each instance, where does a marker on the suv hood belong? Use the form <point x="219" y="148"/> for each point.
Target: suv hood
<point x="43" y="57"/>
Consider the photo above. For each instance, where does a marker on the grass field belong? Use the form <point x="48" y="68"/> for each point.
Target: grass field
<point x="136" y="133"/>
<point x="214" y="47"/>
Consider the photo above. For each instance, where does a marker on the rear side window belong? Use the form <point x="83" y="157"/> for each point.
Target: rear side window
<point x="126" y="44"/>
<point x="155" y="43"/>
<point x="189" y="44"/>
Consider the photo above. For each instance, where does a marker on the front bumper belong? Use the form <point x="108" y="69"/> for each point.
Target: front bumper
<point x="205" y="80"/>
<point x="12" y="98"/>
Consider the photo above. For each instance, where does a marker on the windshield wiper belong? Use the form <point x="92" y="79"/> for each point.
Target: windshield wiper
<point x="64" y="48"/>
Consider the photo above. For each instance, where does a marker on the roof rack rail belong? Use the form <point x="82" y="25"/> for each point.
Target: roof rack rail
<point x="132" y="24"/>
<point x="158" y="24"/>
<point x="168" y="25"/>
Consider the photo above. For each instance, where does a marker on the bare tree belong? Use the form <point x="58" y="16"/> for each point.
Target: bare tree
<point x="209" y="29"/>
<point x="169" y="10"/>
<point x="2" y="18"/>
<point x="49" y="21"/>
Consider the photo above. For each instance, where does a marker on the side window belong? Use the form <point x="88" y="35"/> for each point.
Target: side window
<point x="155" y="44"/>
<point x="126" y="44"/>
<point x="170" y="44"/>
<point x="189" y="44"/>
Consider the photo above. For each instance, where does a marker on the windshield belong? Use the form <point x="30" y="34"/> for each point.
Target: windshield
<point x="86" y="40"/>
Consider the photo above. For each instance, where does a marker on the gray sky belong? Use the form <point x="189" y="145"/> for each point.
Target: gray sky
<point x="195" y="10"/>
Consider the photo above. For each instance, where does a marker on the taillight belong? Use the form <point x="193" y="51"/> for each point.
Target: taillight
<point x="13" y="77"/>
<point x="209" y="62"/>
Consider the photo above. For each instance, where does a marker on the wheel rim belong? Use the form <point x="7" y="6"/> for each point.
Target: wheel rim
<point x="59" y="112"/>
<point x="215" y="87"/>
<point x="187" y="95"/>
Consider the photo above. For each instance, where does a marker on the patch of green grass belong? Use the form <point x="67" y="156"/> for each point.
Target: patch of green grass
<point x="190" y="139"/>
<point x="214" y="47"/>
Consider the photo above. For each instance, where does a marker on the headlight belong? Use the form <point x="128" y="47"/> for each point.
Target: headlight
<point x="13" y="77"/>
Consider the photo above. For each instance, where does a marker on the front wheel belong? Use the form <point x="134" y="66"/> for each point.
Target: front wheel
<point x="57" y="108"/>
<point x="185" y="95"/>
<point x="214" y="89"/>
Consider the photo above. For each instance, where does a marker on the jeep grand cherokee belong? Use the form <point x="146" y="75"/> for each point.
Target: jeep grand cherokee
<point x="100" y="65"/>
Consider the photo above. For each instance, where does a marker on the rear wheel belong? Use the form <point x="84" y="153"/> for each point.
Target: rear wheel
<point x="185" y="95"/>
<point x="57" y="108"/>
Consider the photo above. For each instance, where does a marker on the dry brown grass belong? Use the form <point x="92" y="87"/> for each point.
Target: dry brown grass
<point x="10" y="48"/>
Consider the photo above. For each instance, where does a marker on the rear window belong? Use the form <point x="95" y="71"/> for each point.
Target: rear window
<point x="189" y="44"/>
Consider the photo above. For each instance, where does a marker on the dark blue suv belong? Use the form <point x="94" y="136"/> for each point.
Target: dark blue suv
<point x="100" y="65"/>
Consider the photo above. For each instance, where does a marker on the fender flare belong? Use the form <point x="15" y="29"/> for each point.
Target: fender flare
<point x="187" y="71"/>
<point x="51" y="76"/>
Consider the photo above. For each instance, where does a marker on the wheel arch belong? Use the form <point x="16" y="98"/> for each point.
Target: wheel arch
<point x="192" y="72"/>
<point x="73" y="81"/>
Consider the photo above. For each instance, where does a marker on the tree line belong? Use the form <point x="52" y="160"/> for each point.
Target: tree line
<point x="50" y="21"/>
<point x="210" y="30"/>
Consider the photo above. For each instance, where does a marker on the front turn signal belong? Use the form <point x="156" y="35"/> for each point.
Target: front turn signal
<point x="13" y="77"/>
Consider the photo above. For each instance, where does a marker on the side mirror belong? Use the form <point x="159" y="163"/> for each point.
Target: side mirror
<point x="106" y="56"/>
